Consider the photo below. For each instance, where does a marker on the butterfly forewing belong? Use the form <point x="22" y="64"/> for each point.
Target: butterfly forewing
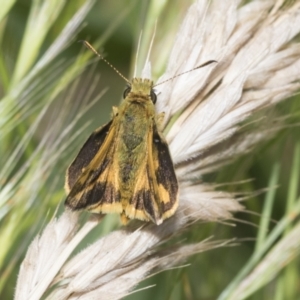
<point x="167" y="192"/>
<point x="85" y="155"/>
<point x="95" y="188"/>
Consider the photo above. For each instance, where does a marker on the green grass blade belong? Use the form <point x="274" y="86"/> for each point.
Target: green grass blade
<point x="268" y="206"/>
<point x="6" y="5"/>
<point x="42" y="16"/>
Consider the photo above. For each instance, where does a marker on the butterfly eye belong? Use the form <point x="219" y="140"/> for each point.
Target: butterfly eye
<point x="126" y="92"/>
<point x="153" y="97"/>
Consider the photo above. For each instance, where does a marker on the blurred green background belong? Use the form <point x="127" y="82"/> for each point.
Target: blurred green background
<point x="113" y="27"/>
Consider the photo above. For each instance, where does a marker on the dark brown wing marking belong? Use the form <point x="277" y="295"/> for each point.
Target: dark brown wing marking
<point x="85" y="155"/>
<point x="166" y="182"/>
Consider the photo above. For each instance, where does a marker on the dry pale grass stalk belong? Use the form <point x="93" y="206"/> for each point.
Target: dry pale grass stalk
<point x="258" y="65"/>
<point x="48" y="252"/>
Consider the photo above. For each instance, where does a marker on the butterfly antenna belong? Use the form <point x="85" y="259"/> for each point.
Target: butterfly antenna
<point x="89" y="46"/>
<point x="198" y="67"/>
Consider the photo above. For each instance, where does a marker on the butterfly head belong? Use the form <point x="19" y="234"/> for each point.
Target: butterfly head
<point x="141" y="87"/>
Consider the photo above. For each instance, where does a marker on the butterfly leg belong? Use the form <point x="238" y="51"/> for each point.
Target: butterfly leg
<point x="115" y="111"/>
<point x="160" y="121"/>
